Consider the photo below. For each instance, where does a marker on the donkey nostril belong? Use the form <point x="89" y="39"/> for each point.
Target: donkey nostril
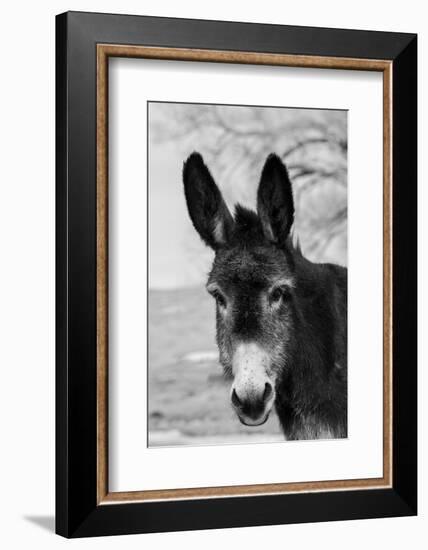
<point x="235" y="399"/>
<point x="268" y="391"/>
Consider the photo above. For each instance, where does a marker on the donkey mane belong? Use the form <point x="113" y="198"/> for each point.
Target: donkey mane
<point x="248" y="228"/>
<point x="245" y="218"/>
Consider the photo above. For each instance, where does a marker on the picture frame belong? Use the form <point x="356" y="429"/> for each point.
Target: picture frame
<point x="84" y="44"/>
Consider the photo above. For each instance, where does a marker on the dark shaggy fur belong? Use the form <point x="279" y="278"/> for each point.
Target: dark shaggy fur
<point x="306" y="331"/>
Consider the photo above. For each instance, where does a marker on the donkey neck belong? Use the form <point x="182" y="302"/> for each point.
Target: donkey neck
<point x="312" y="386"/>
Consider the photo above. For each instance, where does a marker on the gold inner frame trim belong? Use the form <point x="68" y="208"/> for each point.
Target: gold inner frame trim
<point x="104" y="51"/>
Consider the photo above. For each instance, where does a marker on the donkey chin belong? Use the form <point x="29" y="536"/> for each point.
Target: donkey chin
<point x="252" y="393"/>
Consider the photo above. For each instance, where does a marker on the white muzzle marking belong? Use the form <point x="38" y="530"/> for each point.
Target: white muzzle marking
<point x="252" y="390"/>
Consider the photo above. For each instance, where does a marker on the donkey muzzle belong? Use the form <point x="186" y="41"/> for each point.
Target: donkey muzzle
<point x="252" y="393"/>
<point x="253" y="410"/>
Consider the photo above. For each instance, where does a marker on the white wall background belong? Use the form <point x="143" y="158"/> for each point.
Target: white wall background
<point x="27" y="272"/>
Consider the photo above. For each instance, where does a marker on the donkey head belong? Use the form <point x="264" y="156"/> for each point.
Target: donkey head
<point x="251" y="280"/>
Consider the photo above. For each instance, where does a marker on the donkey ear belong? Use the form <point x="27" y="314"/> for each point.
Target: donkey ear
<point x="207" y="209"/>
<point x="275" y="204"/>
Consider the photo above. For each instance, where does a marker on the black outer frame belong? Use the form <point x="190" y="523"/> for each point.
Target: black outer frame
<point x="77" y="513"/>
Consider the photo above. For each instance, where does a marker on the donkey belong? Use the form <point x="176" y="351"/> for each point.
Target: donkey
<point x="281" y="319"/>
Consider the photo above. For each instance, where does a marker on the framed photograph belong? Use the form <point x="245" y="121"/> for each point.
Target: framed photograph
<point x="236" y="274"/>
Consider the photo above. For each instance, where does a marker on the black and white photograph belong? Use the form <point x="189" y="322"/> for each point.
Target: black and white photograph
<point x="247" y="274"/>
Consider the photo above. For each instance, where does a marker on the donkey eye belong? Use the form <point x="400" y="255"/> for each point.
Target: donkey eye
<point x="279" y="293"/>
<point x="218" y="296"/>
<point x="276" y="295"/>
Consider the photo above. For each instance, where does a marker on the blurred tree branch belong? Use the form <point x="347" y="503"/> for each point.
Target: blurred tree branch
<point x="235" y="142"/>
